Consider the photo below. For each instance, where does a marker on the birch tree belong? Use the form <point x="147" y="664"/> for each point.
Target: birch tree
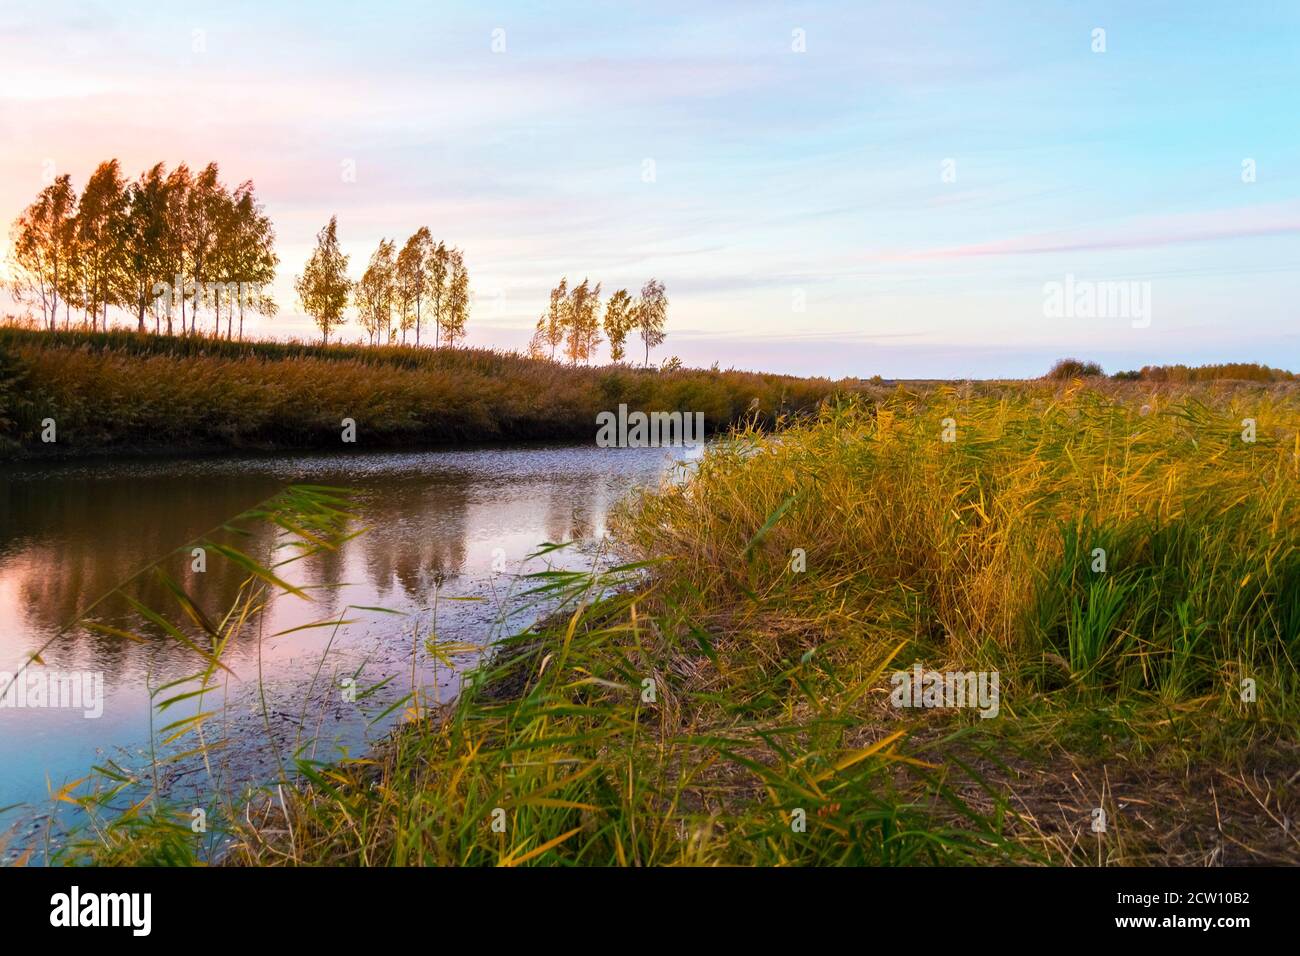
<point x="619" y="315"/>
<point x="438" y="269"/>
<point x="457" y="298"/>
<point x="581" y="318"/>
<point x="375" y="293"/>
<point x="550" y="325"/>
<point x="412" y="280"/>
<point x="323" y="286"/>
<point x="43" y="248"/>
<point x="651" y="314"/>
<point x="100" y="228"/>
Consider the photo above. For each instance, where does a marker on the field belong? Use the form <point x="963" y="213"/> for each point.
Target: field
<point x="120" y="392"/>
<point x="1124" y="557"/>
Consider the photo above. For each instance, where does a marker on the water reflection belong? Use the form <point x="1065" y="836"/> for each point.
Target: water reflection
<point x="438" y="523"/>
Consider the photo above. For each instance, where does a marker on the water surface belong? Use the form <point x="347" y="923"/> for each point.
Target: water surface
<point x="441" y="526"/>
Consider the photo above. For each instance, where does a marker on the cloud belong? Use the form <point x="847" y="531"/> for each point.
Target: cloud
<point x="1282" y="219"/>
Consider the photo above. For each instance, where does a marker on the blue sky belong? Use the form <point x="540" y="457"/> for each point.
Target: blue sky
<point x="799" y="214"/>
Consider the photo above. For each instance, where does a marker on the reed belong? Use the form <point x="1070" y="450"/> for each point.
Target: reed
<point x="117" y="392"/>
<point x="1123" y="557"/>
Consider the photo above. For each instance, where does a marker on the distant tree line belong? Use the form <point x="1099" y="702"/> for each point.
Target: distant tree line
<point x="1071" y="368"/>
<point x="395" y="293"/>
<point x="1242" y="371"/>
<point x="171" y="245"/>
<point x="165" y="245"/>
<point x="572" y="324"/>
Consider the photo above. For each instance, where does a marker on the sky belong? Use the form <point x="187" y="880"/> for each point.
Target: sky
<point x="843" y="189"/>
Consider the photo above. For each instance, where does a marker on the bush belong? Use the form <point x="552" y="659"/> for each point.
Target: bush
<point x="1069" y="368"/>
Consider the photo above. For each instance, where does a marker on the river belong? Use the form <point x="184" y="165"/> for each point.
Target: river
<point x="448" y="533"/>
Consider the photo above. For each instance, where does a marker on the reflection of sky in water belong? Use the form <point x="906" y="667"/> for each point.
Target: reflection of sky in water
<point x="70" y="534"/>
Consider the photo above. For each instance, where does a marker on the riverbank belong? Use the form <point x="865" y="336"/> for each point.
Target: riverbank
<point x="123" y="393"/>
<point x="1122" y="565"/>
<point x="446" y="535"/>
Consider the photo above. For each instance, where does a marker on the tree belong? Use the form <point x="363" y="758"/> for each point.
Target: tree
<point x="550" y="325"/>
<point x="619" y="316"/>
<point x="457" y="298"/>
<point x="205" y="208"/>
<point x="651" y="313"/>
<point x="100" y="228"/>
<point x="375" y="293"/>
<point x="412" y="280"/>
<point x="323" y="286"/>
<point x="223" y="263"/>
<point x="176" y="246"/>
<point x="438" y="267"/>
<point x="581" y="320"/>
<point x="43" y="248"/>
<point x="145" y="243"/>
<point x="252" y="258"/>
<point x="1070" y="368"/>
<point x="126" y="241"/>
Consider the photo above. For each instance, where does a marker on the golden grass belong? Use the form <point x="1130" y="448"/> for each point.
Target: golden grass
<point x="767" y="736"/>
<point x="120" y="391"/>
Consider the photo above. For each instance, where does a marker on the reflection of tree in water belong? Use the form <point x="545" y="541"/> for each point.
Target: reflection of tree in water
<point x="418" y="533"/>
<point x="106" y="534"/>
<point x="568" y="516"/>
<point x="322" y="572"/>
<point x="71" y="542"/>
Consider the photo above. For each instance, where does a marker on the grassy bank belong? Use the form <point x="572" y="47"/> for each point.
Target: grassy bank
<point x="733" y="709"/>
<point x="1123" y="558"/>
<point x="119" y="392"/>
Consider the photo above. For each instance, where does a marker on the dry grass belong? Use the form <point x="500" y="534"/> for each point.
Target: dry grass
<point x="119" y="391"/>
<point x="770" y="739"/>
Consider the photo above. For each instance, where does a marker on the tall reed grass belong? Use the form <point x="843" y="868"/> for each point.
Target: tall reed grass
<point x="1120" y="556"/>
<point x="1131" y="540"/>
<point x="121" y="391"/>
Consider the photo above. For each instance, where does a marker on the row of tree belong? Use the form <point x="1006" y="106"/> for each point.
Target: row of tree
<point x="573" y="322"/>
<point x="1071" y="368"/>
<point x="392" y="294"/>
<point x="170" y="244"/>
<point x="153" y="246"/>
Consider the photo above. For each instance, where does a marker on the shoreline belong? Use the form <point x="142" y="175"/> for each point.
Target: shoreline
<point x="106" y="393"/>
